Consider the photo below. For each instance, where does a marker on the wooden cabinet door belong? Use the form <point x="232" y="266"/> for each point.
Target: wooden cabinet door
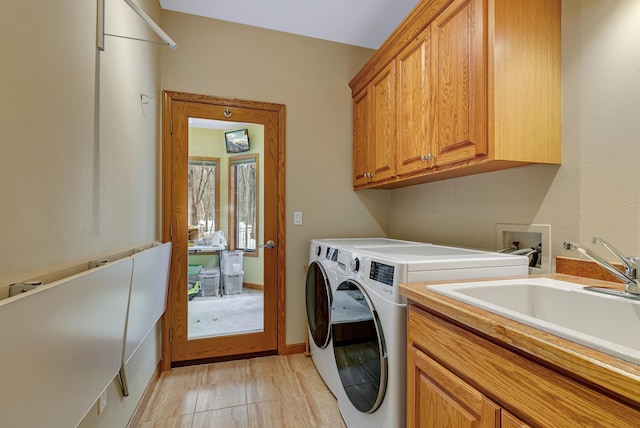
<point x="415" y="113"/>
<point x="459" y="69"/>
<point x="361" y="133"/>
<point x="382" y="143"/>
<point x="510" y="421"/>
<point x="437" y="398"/>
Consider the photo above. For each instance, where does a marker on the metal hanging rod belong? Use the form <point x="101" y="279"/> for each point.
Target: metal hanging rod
<point x="150" y="22"/>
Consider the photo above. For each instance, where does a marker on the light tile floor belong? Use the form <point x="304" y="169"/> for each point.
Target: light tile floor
<point x="275" y="391"/>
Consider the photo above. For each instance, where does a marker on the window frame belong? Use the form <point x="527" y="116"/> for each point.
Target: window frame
<point x="216" y="215"/>
<point x="232" y="203"/>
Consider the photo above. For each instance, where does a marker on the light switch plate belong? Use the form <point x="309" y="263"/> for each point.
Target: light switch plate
<point x="529" y="235"/>
<point x="297" y="218"/>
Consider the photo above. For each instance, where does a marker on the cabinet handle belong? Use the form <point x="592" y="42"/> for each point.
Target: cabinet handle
<point x="423" y="158"/>
<point x="430" y="156"/>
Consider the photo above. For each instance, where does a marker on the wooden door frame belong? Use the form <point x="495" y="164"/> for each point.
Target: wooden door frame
<point x="167" y="98"/>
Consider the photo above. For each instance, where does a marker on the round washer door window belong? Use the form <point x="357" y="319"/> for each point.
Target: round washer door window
<point x="359" y="347"/>
<point x="318" y="298"/>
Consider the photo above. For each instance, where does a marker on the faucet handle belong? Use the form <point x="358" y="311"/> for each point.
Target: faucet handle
<point x="628" y="262"/>
<point x="635" y="261"/>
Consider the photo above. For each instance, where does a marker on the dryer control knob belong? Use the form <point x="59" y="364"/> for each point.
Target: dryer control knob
<point x="318" y="251"/>
<point x="355" y="265"/>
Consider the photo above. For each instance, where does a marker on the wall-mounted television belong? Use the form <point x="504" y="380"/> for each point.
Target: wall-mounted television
<point x="237" y="141"/>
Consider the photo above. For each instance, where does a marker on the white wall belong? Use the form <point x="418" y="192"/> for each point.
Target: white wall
<point x="596" y="190"/>
<point x="79" y="160"/>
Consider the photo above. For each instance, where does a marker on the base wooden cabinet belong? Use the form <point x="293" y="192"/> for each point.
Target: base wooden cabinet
<point x="458" y="379"/>
<point x="477" y="88"/>
<point x="441" y="399"/>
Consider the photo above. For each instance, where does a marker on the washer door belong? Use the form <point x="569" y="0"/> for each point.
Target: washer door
<point x="359" y="347"/>
<point x="318" y="297"/>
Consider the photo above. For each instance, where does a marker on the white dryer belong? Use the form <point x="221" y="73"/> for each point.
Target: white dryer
<point x="369" y="321"/>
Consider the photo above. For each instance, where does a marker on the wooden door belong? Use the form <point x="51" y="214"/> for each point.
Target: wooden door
<point x="415" y="113"/>
<point x="382" y="93"/>
<point x="361" y="141"/>
<point x="437" y="398"/>
<point x="179" y="109"/>
<point x="459" y="36"/>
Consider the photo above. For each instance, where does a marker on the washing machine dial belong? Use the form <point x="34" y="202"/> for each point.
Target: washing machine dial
<point x="318" y="250"/>
<point x="355" y="265"/>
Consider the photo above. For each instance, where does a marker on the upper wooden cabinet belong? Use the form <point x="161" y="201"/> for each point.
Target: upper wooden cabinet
<point x="415" y="106"/>
<point x="477" y="88"/>
<point x="374" y="129"/>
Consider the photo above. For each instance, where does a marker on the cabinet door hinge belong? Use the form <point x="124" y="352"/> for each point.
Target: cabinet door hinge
<point x="171" y="231"/>
<point x="170" y="335"/>
<point x="171" y="126"/>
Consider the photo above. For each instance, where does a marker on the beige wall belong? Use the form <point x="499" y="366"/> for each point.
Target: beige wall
<point x="311" y="78"/>
<point x="596" y="190"/>
<point x="79" y="151"/>
<point x="79" y="162"/>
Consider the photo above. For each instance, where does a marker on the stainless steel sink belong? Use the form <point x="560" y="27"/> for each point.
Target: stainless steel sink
<point x="607" y="323"/>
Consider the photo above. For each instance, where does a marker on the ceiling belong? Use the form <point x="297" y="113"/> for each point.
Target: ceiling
<point x="365" y="23"/>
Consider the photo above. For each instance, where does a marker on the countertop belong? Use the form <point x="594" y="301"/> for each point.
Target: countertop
<point x="592" y="367"/>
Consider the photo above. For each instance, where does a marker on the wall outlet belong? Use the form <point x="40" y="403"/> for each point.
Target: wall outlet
<point x="102" y="402"/>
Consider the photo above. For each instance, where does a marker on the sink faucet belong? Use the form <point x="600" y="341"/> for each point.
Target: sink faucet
<point x="629" y="277"/>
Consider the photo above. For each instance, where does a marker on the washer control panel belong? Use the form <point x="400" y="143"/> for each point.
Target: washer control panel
<point x="382" y="273"/>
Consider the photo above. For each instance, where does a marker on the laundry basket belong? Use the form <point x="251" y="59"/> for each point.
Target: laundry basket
<point x="210" y="282"/>
<point x="231" y="261"/>
<point x="193" y="283"/>
<point x="232" y="283"/>
<point x="194" y="272"/>
<point x="231" y="271"/>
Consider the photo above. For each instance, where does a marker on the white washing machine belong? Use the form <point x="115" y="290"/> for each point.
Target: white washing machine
<point x="368" y="321"/>
<point x="323" y="277"/>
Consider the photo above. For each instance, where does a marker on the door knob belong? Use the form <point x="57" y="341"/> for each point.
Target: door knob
<point x="269" y="245"/>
